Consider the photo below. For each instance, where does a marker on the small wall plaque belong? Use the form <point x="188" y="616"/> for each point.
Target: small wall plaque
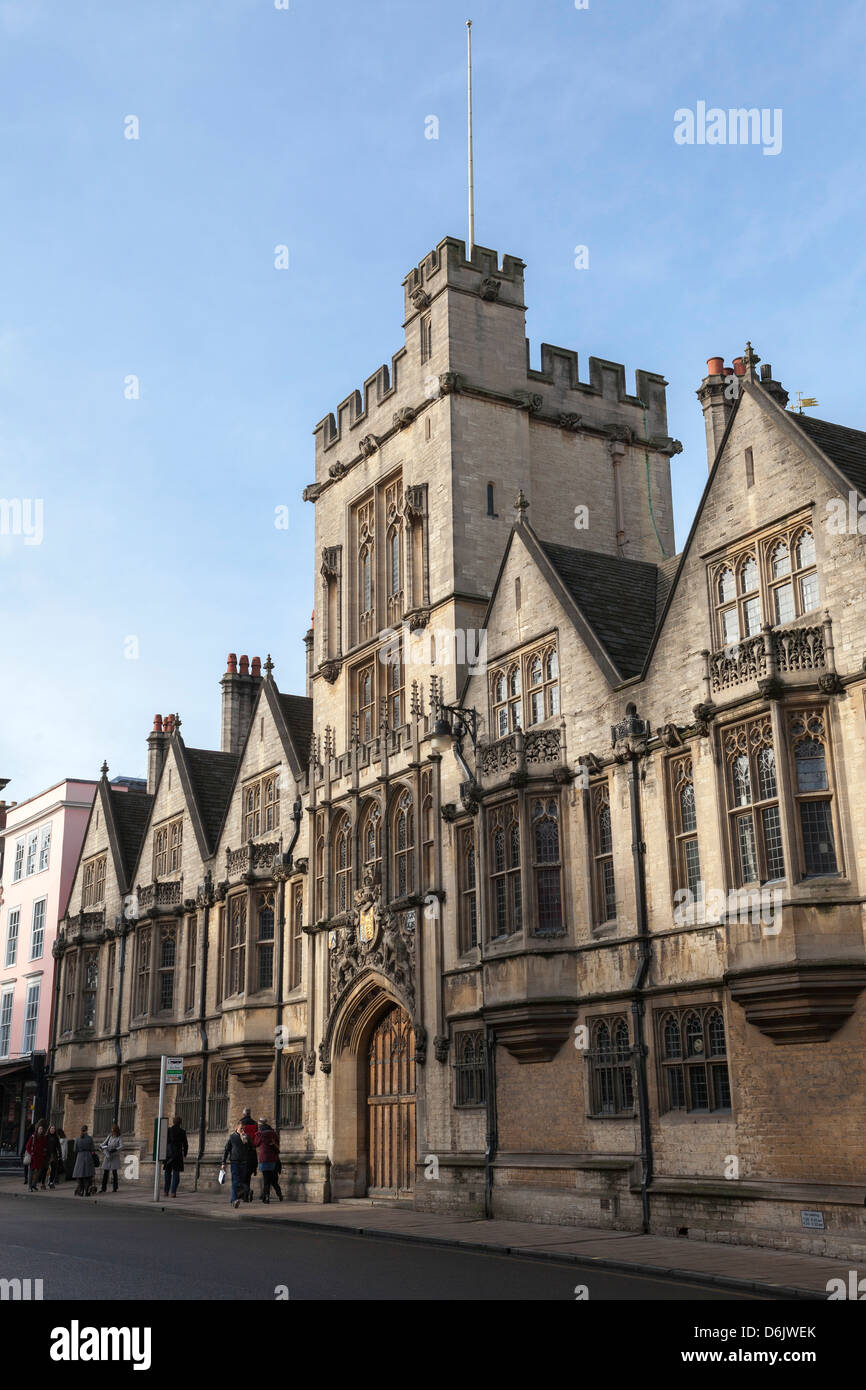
<point x="814" y="1220"/>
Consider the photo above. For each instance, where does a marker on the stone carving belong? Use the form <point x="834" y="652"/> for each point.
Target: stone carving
<point x="330" y="670"/>
<point x="543" y="746"/>
<point x="490" y="288"/>
<point x="500" y="756"/>
<point x="735" y="665"/>
<point x="440" y="1048"/>
<point x="404" y="416"/>
<point x="420" y="299"/>
<point x="420" y="1044"/>
<point x="310" y="1063"/>
<point x="448" y="382"/>
<point x="529" y="400"/>
<point x="374" y="938"/>
<point x="569" y="421"/>
<point x="704" y="716"/>
<point x="629" y="738"/>
<point x="799" y="648"/>
<point x="415" y="501"/>
<point x="368" y="445"/>
<point x="331" y="561"/>
<point x="338" y="470"/>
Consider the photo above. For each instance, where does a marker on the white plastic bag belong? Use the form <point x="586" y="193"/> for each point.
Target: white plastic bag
<point x="221" y="1176"/>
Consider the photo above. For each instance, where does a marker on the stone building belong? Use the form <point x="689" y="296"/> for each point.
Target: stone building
<point x="544" y="900"/>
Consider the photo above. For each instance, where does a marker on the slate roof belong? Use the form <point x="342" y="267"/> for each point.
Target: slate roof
<point x="298" y="714"/>
<point x="131" y="812"/>
<point x="843" y="446"/>
<point x="212" y="776"/>
<point x="621" y="600"/>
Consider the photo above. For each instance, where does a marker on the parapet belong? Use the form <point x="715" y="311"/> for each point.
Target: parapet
<point x="480" y="274"/>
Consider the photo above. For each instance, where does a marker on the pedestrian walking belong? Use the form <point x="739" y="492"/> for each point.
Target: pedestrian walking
<point x="250" y="1130"/>
<point x="53" y="1156"/>
<point x="84" y="1164"/>
<point x="268" y="1149"/>
<point x="25" y="1155"/>
<point x="36" y="1147"/>
<point x="240" y="1155"/>
<point x="176" y="1150"/>
<point x="111" y="1147"/>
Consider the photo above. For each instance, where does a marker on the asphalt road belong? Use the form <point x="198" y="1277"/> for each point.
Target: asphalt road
<point x="91" y="1252"/>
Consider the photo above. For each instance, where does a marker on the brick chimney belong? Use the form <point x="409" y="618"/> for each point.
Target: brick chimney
<point x="717" y="401"/>
<point x="239" y="687"/>
<point x="157" y="747"/>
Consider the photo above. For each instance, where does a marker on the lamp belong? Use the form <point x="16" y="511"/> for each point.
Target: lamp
<point x="452" y="726"/>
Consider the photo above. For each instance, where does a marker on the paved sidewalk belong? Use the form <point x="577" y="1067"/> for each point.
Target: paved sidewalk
<point x="732" y="1266"/>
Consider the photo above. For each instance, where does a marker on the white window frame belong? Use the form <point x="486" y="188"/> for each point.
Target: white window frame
<point x="37" y="929"/>
<point x="10" y="957"/>
<point x="44" y="847"/>
<point x="7" y="992"/>
<point x="31" y="1002"/>
<point x="18" y="871"/>
<point x="32" y="854"/>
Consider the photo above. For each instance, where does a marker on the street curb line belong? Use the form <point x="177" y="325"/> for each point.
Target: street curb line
<point x="729" y="1281"/>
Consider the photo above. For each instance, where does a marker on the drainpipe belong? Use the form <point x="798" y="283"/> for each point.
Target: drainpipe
<point x="285" y="869"/>
<point x="207" y="896"/>
<point x="629" y="740"/>
<point x="122" y="930"/>
<point x="491" y="1143"/>
<point x="58" y="971"/>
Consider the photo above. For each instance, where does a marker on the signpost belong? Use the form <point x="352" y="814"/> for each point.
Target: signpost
<point x="170" y="1074"/>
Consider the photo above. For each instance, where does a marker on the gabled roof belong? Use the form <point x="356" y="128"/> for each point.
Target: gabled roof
<point x="617" y="597"/>
<point x="843" y="446"/>
<point x="130" y="812"/>
<point x="297" y="711"/>
<point x="211" y="778"/>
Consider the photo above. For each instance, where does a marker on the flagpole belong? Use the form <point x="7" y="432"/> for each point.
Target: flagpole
<point x="471" y="164"/>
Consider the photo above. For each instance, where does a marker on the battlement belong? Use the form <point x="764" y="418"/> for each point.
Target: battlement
<point x="559" y="369"/>
<point x="356" y="407"/>
<point x="481" y="274"/>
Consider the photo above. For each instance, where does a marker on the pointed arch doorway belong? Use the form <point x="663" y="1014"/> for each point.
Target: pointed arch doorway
<point x="391" y="1105"/>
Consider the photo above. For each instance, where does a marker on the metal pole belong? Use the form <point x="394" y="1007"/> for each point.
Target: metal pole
<point x="471" y="162"/>
<point x="159" y="1128"/>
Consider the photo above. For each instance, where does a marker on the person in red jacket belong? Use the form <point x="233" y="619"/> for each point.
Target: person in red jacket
<point x="268" y="1149"/>
<point x="37" y="1146"/>
<point x="250" y="1127"/>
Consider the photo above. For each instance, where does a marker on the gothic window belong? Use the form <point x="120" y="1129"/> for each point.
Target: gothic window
<point x="343" y="864"/>
<point x="396" y="710"/>
<point x="142" y="973"/>
<point x="167" y="840"/>
<point x="126" y="1116"/>
<point x="427" y="830"/>
<point x="218" y="1100"/>
<point x="365" y="701"/>
<point x="191" y="962"/>
<point x="292" y="1091"/>
<point x="297" y="935"/>
<point x="395" y="574"/>
<point x="371" y="837"/>
<point x="470" y="1074"/>
<point x="366" y="582"/>
<point x="321" y="903"/>
<point x="237" y="944"/>
<point x="426" y="322"/>
<point x="467" y="877"/>
<point x="89" y="984"/>
<point x="188" y="1103"/>
<point x="108" y="1020"/>
<point x="603" y="881"/>
<point x="506" y="902"/>
<point x="271" y="802"/>
<point x="543" y="680"/>
<point x="252" y="811"/>
<point x="547" y="866"/>
<point x="507" y="702"/>
<point x="775" y="580"/>
<point x="167" y="962"/>
<point x="686" y="856"/>
<point x="265" y="916"/>
<point x="69" y="988"/>
<point x="753" y="802"/>
<point x="103" y="1110"/>
<point x="807" y="732"/>
<point x="693" y="1064"/>
<point x="611" y="1080"/>
<point x="404" y="845"/>
<point x="93" y="886"/>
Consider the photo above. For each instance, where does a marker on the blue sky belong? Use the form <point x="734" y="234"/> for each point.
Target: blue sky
<point x="306" y="127"/>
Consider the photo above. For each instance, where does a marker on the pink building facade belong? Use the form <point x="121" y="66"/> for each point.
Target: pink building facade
<point x="43" y="838"/>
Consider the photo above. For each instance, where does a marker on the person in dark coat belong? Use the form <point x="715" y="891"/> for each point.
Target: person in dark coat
<point x="31" y="1130"/>
<point x="250" y="1130"/>
<point x="84" y="1165"/>
<point x="268" y="1149"/>
<point x="36" y="1147"/>
<point x="53" y="1155"/>
<point x="240" y="1155"/>
<point x="111" y="1147"/>
<point x="176" y="1150"/>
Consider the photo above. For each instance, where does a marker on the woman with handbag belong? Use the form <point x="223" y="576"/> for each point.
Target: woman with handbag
<point x="84" y="1166"/>
<point x="111" y="1147"/>
<point x="36" y="1147"/>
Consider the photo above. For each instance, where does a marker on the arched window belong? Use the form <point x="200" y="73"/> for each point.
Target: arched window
<point x="343" y="865"/>
<point x="467" y="874"/>
<point x="371" y="837"/>
<point x="547" y="867"/>
<point x="506" y="900"/>
<point x="395" y="574"/>
<point x="404" y="845"/>
<point x="813" y="792"/>
<point x="271" y="799"/>
<point x="321" y="904"/>
<point x="167" y="960"/>
<point x="427" y="830"/>
<point x="693" y="1055"/>
<point x="611" y="1082"/>
<point x="604" y="884"/>
<point x="142" y="972"/>
<point x="726" y="606"/>
<point x="253" y="810"/>
<point x="292" y="1091"/>
<point x="218" y="1099"/>
<point x="265" y="918"/>
<point x="750" y="601"/>
<point x="469" y="1068"/>
<point x="753" y="801"/>
<point x="688" y="863"/>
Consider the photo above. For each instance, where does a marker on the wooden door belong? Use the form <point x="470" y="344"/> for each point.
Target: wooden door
<point x="391" y="1105"/>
